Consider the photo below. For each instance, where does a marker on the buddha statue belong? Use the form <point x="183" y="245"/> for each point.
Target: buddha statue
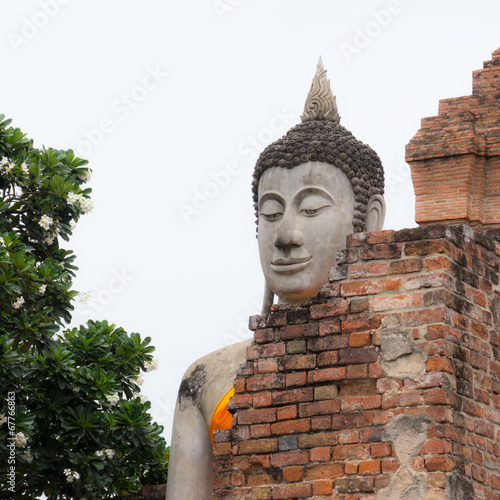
<point x="311" y="188"/>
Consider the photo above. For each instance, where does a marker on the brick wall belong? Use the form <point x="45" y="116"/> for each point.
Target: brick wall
<point x="455" y="156"/>
<point x="387" y="386"/>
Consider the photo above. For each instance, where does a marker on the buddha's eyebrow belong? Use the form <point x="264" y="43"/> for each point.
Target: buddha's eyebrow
<point x="271" y="195"/>
<point x="303" y="193"/>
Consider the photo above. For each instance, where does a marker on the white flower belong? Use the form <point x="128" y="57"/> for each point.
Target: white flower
<point x="42" y="288"/>
<point x="149" y="366"/>
<point x="20" y="440"/>
<point x="3" y="419"/>
<point x="86" y="176"/>
<point x="72" y="225"/>
<point x="87" y="205"/>
<point x="76" y="388"/>
<point x="76" y="475"/>
<point x="45" y="221"/>
<point x="139" y="380"/>
<point x="99" y="453"/>
<point x="4" y="161"/>
<point x="83" y="297"/>
<point x="18" y="302"/>
<point x="113" y="399"/>
<point x="49" y="238"/>
<point x="69" y="479"/>
<point x="73" y="198"/>
<point x="143" y="398"/>
<point x="110" y="453"/>
<point x="68" y="472"/>
<point x="2" y="242"/>
<point x="6" y="164"/>
<point x="25" y="168"/>
<point x="27" y="456"/>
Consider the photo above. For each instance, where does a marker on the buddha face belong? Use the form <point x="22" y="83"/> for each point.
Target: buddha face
<point x="305" y="214"/>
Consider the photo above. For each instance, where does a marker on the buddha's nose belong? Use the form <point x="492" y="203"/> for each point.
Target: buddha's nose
<point x="287" y="239"/>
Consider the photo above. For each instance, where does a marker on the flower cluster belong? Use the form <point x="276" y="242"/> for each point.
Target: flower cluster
<point x="109" y="453"/>
<point x="71" y="475"/>
<point x="24" y="168"/>
<point x="113" y="399"/>
<point x="85" y="177"/>
<point x="46" y="221"/>
<point x="28" y="457"/>
<point x="18" y="302"/>
<point x="20" y="440"/>
<point x="6" y="165"/>
<point x="86" y="204"/>
<point x="139" y="380"/>
<point x="42" y="288"/>
<point x="149" y="366"/>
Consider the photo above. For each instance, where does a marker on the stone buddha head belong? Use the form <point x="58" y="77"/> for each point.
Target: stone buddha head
<point x="312" y="188"/>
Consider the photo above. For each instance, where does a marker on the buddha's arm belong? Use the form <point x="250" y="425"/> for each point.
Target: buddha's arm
<point x="190" y="474"/>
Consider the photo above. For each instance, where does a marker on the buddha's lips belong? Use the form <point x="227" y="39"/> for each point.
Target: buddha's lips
<point x="290" y="266"/>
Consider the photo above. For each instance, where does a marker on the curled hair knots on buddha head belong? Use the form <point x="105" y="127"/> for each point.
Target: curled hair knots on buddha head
<point x="327" y="142"/>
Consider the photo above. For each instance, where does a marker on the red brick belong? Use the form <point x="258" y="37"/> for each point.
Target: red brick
<point x="351" y="451"/>
<point x="262" y="399"/>
<point x="391" y="303"/>
<point x="357" y="371"/>
<point x="328" y="358"/>
<point x="379" y="450"/>
<point x="295" y="379"/>
<point x="360" y="339"/>
<point x="298" y="331"/>
<point x="260" y="430"/>
<point x="376" y="237"/>
<point x="369" y="270"/>
<point x="265" y="350"/>
<point x="383" y="251"/>
<point x="291" y="426"/>
<point x="301" y="490"/>
<point x="326" y="374"/>
<point x="257" y="416"/>
<point x="293" y="474"/>
<point x="322" y="487"/>
<point x="329" y="309"/>
<point x="266" y="365"/>
<point x="325" y="407"/>
<point x="369" y="467"/>
<point x="358" y="355"/>
<point x="295" y="457"/>
<point x="347" y="420"/>
<point x="263" y="382"/>
<point x="250" y="446"/>
<point x="318" y="439"/>
<point x="324" y="471"/>
<point x="360" y="287"/>
<point x="391" y="284"/>
<point x="427" y="247"/>
<point x="287" y="412"/>
<point x="297" y="362"/>
<point x="440" y="463"/>
<point x="328" y="327"/>
<point x="328" y="343"/>
<point x="320" y="454"/>
<point x="405" y="266"/>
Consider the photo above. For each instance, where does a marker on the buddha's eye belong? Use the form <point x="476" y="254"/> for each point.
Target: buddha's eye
<point x="313" y="205"/>
<point x="272" y="210"/>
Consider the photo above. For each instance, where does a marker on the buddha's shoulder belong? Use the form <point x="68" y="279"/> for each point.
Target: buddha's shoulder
<point x="221" y="359"/>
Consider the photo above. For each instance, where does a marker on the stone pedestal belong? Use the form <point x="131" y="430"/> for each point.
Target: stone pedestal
<point x="385" y="387"/>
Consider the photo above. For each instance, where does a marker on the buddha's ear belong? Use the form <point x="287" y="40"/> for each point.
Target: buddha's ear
<point x="375" y="213"/>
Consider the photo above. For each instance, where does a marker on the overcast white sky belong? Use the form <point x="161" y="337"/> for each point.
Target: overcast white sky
<point x="164" y="97"/>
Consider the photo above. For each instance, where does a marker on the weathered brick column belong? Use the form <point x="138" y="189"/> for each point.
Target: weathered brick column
<point x="385" y="387"/>
<point x="455" y="156"/>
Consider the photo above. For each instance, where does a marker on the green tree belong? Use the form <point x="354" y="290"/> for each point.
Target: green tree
<point x="72" y="421"/>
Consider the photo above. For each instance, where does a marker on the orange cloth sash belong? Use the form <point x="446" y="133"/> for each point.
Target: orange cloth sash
<point x="221" y="418"/>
